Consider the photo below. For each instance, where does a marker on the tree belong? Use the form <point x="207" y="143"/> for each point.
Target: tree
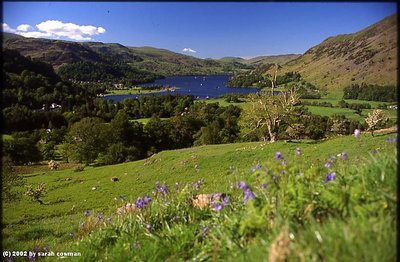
<point x="10" y="179"/>
<point x="376" y="119"/>
<point x="267" y="112"/>
<point x="87" y="138"/>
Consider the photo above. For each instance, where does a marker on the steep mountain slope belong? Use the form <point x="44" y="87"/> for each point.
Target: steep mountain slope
<point x="368" y="56"/>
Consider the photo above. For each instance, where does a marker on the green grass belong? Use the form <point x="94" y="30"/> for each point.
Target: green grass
<point x="131" y="91"/>
<point x="6" y="137"/>
<point x="69" y="193"/>
<point x="144" y="121"/>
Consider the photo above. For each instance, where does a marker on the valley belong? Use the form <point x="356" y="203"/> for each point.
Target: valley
<point x="123" y="153"/>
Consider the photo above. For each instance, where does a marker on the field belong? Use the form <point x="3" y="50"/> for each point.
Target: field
<point x="56" y="223"/>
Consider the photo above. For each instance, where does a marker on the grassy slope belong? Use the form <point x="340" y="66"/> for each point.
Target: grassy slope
<point x="27" y="223"/>
<point x="331" y="65"/>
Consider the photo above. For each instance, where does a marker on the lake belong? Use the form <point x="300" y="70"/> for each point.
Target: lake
<point x="201" y="87"/>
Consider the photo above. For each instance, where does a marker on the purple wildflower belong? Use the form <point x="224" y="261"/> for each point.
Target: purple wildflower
<point x="389" y="140"/>
<point x="204" y="229"/>
<point x="330" y="177"/>
<point x="108" y="219"/>
<point x="99" y="217"/>
<point x="218" y="207"/>
<point x="278" y="156"/>
<point x="163" y="189"/>
<point x="298" y="151"/>
<point x="146" y="199"/>
<point x="86" y="212"/>
<point x="148" y="227"/>
<point x="327" y="165"/>
<point x="357" y="133"/>
<point x="343" y="155"/>
<point x="247" y="195"/>
<point x="225" y="201"/>
<point x="241" y="185"/>
<point x="264" y="186"/>
<point x="140" y="203"/>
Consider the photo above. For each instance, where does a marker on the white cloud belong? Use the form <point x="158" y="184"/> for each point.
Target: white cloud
<point x="188" y="50"/>
<point x="57" y="29"/>
<point x="24" y="27"/>
<point x="8" y="29"/>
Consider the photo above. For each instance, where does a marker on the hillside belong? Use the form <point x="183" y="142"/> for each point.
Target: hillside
<point x="155" y="60"/>
<point x="61" y="222"/>
<point x="259" y="60"/>
<point x="369" y="56"/>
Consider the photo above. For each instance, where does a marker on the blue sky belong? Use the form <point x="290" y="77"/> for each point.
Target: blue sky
<point x="200" y="29"/>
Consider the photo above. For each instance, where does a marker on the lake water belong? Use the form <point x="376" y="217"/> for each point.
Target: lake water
<point x="201" y="87"/>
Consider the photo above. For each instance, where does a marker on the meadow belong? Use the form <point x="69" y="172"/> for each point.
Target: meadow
<point x="298" y="211"/>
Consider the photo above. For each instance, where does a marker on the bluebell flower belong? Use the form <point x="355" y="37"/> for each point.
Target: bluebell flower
<point x="248" y="195"/>
<point x="264" y="186"/>
<point x="163" y="189"/>
<point x="330" y="177"/>
<point x="86" y="212"/>
<point x="225" y="201"/>
<point x="99" y="217"/>
<point x="278" y="156"/>
<point x="108" y="219"/>
<point x="241" y="185"/>
<point x="204" y="229"/>
<point x="146" y="199"/>
<point x="343" y="155"/>
<point x="389" y="140"/>
<point x="140" y="203"/>
<point x="327" y="165"/>
<point x="217" y="207"/>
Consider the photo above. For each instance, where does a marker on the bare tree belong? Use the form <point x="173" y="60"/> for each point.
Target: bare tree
<point x="268" y="112"/>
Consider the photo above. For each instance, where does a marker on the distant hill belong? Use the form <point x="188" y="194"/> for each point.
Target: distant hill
<point x="60" y="53"/>
<point x="259" y="60"/>
<point x="369" y="56"/>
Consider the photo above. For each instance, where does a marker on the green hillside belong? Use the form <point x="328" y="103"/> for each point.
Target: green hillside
<point x="368" y="56"/>
<point x="28" y="224"/>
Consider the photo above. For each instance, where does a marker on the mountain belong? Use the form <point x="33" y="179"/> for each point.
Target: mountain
<point x="259" y="60"/>
<point x="60" y="53"/>
<point x="368" y="56"/>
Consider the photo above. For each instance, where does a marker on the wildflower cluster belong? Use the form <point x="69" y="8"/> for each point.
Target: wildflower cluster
<point x="197" y="184"/>
<point x="247" y="193"/>
<point x="216" y="202"/>
<point x="141" y="202"/>
<point x="162" y="189"/>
